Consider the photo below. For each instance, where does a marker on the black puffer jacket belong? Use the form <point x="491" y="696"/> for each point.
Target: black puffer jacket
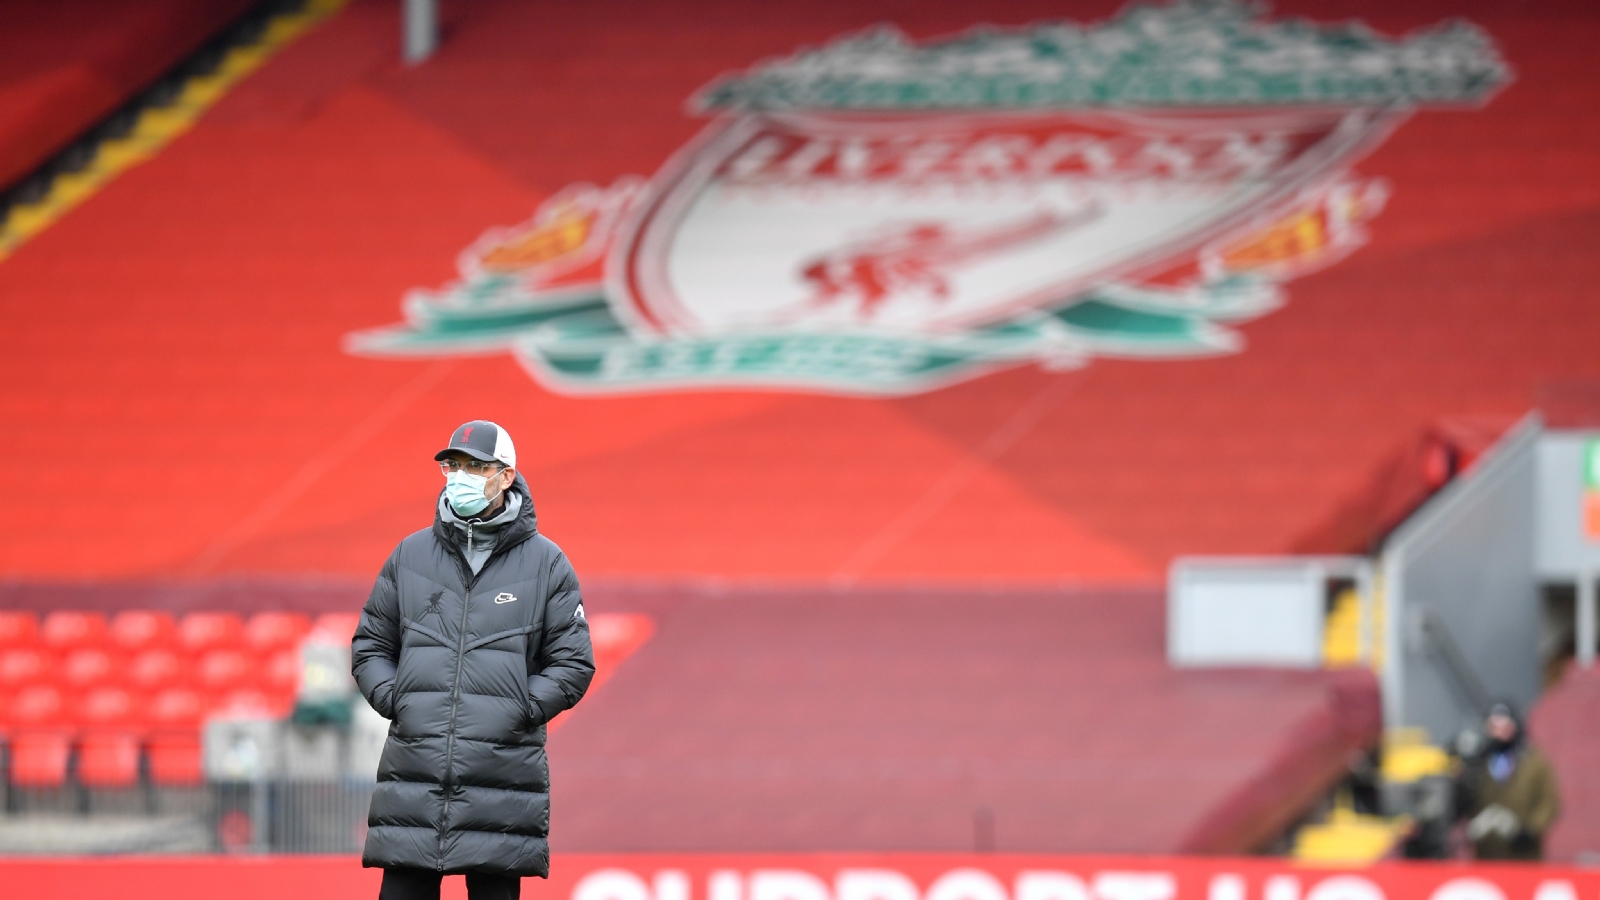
<point x="468" y="669"/>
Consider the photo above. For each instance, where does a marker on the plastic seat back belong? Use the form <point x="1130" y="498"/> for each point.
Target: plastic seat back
<point x="109" y="759"/>
<point x="21" y="667"/>
<point x="156" y="669"/>
<point x="18" y="628"/>
<point x="39" y="758"/>
<point x="199" y="632"/>
<point x="38" y="708"/>
<point x="175" y="758"/>
<point x="88" y="667"/>
<point x="173" y="717"/>
<point x="65" y="631"/>
<point x="280" y="675"/>
<point x="268" y="632"/>
<point x="176" y="709"/>
<point x="224" y="671"/>
<point x="137" y="630"/>
<point x="107" y="709"/>
<point x="252" y="703"/>
<point x="336" y="627"/>
<point x="108" y="751"/>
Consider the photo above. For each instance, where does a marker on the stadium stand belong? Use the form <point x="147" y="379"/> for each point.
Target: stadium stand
<point x="921" y="666"/>
<point x="100" y="702"/>
<point x="1566" y="725"/>
<point x="65" y="66"/>
<point x="138" y="683"/>
<point x="896" y="720"/>
<point x="810" y="732"/>
<point x="365" y="180"/>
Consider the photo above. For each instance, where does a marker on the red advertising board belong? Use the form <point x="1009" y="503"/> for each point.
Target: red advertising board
<point x="900" y="876"/>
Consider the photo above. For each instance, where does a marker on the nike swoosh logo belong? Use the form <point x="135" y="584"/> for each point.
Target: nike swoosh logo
<point x="505" y="598"/>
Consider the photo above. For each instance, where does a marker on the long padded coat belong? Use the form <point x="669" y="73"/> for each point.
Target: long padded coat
<point x="468" y="669"/>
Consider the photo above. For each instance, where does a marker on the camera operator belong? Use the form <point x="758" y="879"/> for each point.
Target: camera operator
<point x="1509" y="794"/>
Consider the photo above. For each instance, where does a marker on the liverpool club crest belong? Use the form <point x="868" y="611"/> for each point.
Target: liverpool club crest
<point x="883" y="217"/>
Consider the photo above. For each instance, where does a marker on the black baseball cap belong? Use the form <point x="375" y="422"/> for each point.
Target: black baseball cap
<point x="482" y="439"/>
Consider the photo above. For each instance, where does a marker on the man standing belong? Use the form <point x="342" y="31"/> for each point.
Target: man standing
<point x="473" y="638"/>
<point x="1511" y="787"/>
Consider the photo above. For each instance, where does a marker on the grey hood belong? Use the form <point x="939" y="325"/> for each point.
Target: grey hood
<point x="477" y="538"/>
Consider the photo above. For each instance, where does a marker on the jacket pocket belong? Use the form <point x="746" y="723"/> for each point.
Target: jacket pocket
<point x="384" y="696"/>
<point x="535" y="717"/>
<point x="530" y="711"/>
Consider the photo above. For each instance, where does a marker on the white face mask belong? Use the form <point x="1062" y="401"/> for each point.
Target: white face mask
<point x="466" y="493"/>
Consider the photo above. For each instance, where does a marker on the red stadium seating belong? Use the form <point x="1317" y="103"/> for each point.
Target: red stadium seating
<point x="336" y="626"/>
<point x="141" y="683"/>
<point x="281" y="673"/>
<point x="267" y="632"/>
<point x="108" y="751"/>
<point x="221" y="277"/>
<point x="223" y="671"/>
<point x="41" y="737"/>
<point x="107" y="709"/>
<point x="65" y="65"/>
<point x="173" y="718"/>
<point x="175" y="758"/>
<point x="615" y="637"/>
<point x="18" y="629"/>
<point x="38" y="707"/>
<point x="109" y="759"/>
<point x="199" y="632"/>
<point x="251" y="703"/>
<point x="66" y="631"/>
<point x="39" y="758"/>
<point x="136" y="630"/>
<point x="89" y="667"/>
<point x="174" y="709"/>
<point x="20" y="667"/>
<point x="155" y="670"/>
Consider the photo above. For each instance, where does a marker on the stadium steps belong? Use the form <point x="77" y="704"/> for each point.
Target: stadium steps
<point x="1565" y="724"/>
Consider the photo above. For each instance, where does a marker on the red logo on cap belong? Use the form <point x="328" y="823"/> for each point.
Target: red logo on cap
<point x="466" y="434"/>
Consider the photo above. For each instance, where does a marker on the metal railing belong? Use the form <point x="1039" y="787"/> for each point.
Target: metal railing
<point x="276" y="816"/>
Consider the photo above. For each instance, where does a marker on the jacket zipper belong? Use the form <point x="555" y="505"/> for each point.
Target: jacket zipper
<point x="455" y="700"/>
<point x="469" y="578"/>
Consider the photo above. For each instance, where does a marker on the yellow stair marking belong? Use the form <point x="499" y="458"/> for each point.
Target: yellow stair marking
<point x="156" y="127"/>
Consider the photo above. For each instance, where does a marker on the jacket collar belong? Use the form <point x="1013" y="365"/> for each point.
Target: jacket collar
<point x="511" y="533"/>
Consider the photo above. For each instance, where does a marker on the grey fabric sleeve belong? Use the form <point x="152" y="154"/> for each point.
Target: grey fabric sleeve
<point x="375" y="649"/>
<point x="566" y="660"/>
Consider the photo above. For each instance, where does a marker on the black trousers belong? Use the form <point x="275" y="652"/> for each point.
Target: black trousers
<point x="423" y="884"/>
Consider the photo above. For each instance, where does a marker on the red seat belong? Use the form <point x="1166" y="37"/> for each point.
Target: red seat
<point x="21" y="667"/>
<point x="107" y="709"/>
<point x="108" y="752"/>
<point x="252" y="703"/>
<point x="202" y="631"/>
<point x="67" y="631"/>
<point x="155" y="670"/>
<point x="109" y="759"/>
<point x="268" y="632"/>
<point x="173" y="717"/>
<point x="280" y="676"/>
<point x="41" y="737"/>
<point x="224" y="671"/>
<point x="174" y="709"/>
<point x="18" y="629"/>
<point x="175" y="758"/>
<point x="39" y="758"/>
<point x="38" y="707"/>
<point x="137" y="630"/>
<point x="337" y="627"/>
<point x="88" y="667"/>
